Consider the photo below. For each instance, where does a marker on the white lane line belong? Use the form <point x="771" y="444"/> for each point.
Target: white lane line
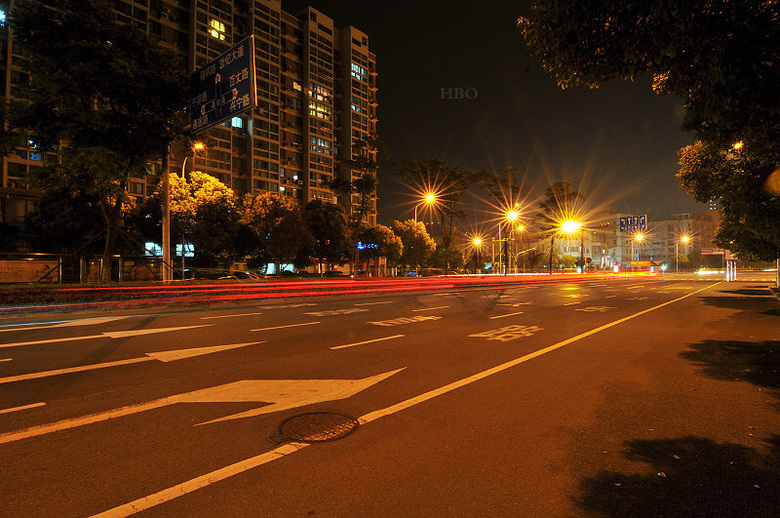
<point x="495" y="370"/>
<point x="200" y="482"/>
<point x="367" y="342"/>
<point x="430" y="309"/>
<point x="285" y="327"/>
<point x="374" y="303"/>
<point x="230" y="316"/>
<point x="163" y="356"/>
<point x="62" y="323"/>
<point x="110" y="334"/>
<point x="507" y="315"/>
<point x="5" y="360"/>
<point x="247" y="464"/>
<point x="18" y="408"/>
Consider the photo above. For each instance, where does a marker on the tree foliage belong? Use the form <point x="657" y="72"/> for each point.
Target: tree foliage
<point x="105" y="89"/>
<point x="448" y="182"/>
<point x="277" y="224"/>
<point x="418" y="246"/>
<point x="380" y="241"/>
<point x="720" y="57"/>
<point x="329" y="231"/>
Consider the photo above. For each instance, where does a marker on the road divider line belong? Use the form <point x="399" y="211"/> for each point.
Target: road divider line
<point x="18" y="408"/>
<point x="189" y="486"/>
<point x="430" y="309"/>
<point x="367" y="342"/>
<point x="110" y="334"/>
<point x="247" y="464"/>
<point x="372" y="416"/>
<point x="285" y="327"/>
<point x="507" y="315"/>
<point x="230" y="316"/>
<point x="374" y="303"/>
<point x="163" y="356"/>
<point x="5" y="360"/>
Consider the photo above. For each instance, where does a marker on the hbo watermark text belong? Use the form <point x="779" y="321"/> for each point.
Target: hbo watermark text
<point x="452" y="93"/>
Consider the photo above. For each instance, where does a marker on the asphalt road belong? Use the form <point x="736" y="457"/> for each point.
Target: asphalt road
<point x="620" y="397"/>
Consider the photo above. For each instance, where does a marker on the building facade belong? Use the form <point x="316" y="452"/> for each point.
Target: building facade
<point x="316" y="101"/>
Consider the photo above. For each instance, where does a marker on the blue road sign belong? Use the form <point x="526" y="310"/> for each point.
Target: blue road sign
<point x="224" y="87"/>
<point x="632" y="224"/>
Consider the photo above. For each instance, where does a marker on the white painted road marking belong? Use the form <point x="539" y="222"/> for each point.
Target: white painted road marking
<point x="430" y="309"/>
<point x="6" y="360"/>
<point x="334" y="312"/>
<point x="55" y="325"/>
<point x="404" y="320"/>
<point x="18" y="408"/>
<point x="283" y="394"/>
<point x="593" y="309"/>
<point x="368" y="342"/>
<point x="109" y="334"/>
<point x="231" y="316"/>
<point x="163" y="356"/>
<point x="507" y="315"/>
<point x="374" y="303"/>
<point x="505" y="334"/>
<point x="285" y="327"/>
<point x="245" y="465"/>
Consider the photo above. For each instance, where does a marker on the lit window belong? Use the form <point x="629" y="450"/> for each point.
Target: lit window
<point x="237" y="122"/>
<point x="217" y="29"/>
<point x="2" y="18"/>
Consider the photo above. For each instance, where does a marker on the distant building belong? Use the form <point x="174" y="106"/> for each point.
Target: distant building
<point x="316" y="100"/>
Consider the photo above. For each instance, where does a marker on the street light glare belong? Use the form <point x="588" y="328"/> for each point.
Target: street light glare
<point x="198" y="146"/>
<point x="639" y="237"/>
<point x="570" y="226"/>
<point x="511" y="215"/>
<point x="685" y="239"/>
<point x="477" y="241"/>
<point x="430" y="197"/>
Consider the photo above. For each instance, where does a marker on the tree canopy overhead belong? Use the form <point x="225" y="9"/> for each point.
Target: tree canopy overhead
<point x="720" y="57"/>
<point x="107" y="90"/>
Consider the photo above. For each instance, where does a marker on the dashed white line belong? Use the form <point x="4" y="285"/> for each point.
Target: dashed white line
<point x="374" y="303"/>
<point x="507" y="315"/>
<point x="285" y="327"/>
<point x="367" y="342"/>
<point x="230" y="316"/>
<point x="430" y="309"/>
<point x="18" y="408"/>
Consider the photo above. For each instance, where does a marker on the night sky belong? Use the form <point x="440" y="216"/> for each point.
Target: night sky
<point x="617" y="145"/>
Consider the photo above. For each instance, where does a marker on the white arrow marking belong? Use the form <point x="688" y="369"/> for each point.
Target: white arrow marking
<point x="285" y="394"/>
<point x="163" y="356"/>
<point x="285" y="327"/>
<point x="109" y="334"/>
<point x="53" y="325"/>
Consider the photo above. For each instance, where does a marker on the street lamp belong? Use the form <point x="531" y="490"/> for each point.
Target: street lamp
<point x="477" y="242"/>
<point x="684" y="239"/>
<point x="520" y="229"/>
<point x="637" y="238"/>
<point x="511" y="216"/>
<point x="196" y="146"/>
<point x="430" y="199"/>
<point x="570" y="227"/>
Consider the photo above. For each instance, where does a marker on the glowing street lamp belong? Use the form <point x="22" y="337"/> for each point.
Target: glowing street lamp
<point x="637" y="238"/>
<point x="429" y="199"/>
<point x="683" y="239"/>
<point x="571" y="227"/>
<point x="476" y="242"/>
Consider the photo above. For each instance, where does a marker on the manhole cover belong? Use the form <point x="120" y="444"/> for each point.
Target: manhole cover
<point x="316" y="427"/>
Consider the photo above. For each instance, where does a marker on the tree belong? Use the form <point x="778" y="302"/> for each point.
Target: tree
<point x="448" y="182"/>
<point x="447" y="257"/>
<point x="559" y="205"/>
<point x="379" y="241"/>
<point x="327" y="225"/>
<point x="106" y="90"/>
<point x="277" y="224"/>
<point x="738" y="179"/>
<point x="720" y="57"/>
<point x="418" y="246"/>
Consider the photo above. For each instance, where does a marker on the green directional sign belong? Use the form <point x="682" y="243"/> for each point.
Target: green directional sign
<point x="223" y="88"/>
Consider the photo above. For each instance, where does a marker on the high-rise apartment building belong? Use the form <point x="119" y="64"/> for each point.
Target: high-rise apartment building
<point x="316" y="100"/>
